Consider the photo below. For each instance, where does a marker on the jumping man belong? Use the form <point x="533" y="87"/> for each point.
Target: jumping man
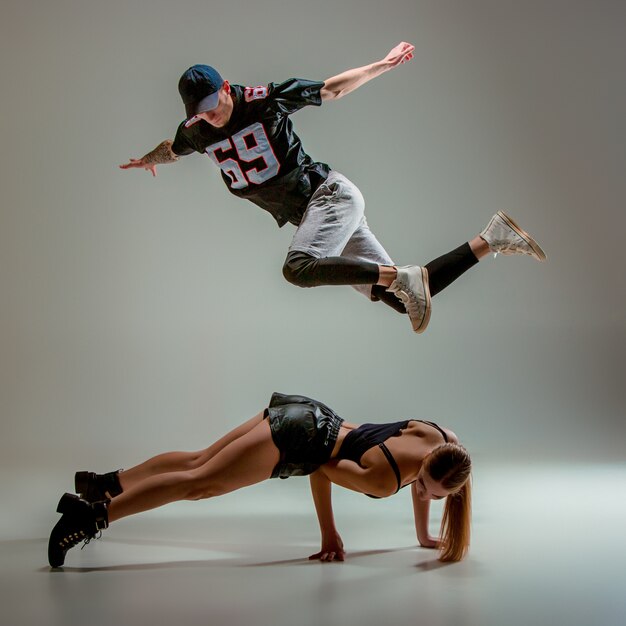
<point x="248" y="134"/>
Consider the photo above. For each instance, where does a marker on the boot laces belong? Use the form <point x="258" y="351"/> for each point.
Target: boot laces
<point x="89" y="539"/>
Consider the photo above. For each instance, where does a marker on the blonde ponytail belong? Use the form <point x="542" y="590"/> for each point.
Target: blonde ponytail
<point x="455" y="524"/>
<point x="450" y="465"/>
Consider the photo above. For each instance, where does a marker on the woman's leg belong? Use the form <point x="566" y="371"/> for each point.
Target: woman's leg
<point x="97" y="487"/>
<point x="182" y="461"/>
<point x="248" y="459"/>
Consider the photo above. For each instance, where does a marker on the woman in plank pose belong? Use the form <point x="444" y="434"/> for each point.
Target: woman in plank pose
<point x="292" y="436"/>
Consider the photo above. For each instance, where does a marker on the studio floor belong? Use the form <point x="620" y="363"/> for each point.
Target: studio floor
<point x="548" y="547"/>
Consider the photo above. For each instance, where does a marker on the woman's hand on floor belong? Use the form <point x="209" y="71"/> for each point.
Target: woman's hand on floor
<point x="429" y="542"/>
<point x="332" y="549"/>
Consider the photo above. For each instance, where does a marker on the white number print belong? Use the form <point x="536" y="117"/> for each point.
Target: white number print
<point x="250" y="144"/>
<point x="230" y="167"/>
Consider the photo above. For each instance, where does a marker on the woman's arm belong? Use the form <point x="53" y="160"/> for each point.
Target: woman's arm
<point x="377" y="479"/>
<point x="332" y="546"/>
<point x="161" y="154"/>
<point x="421" y="510"/>
<point x="342" y="84"/>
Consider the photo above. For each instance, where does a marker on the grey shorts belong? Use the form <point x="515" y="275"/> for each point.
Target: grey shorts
<point x="334" y="224"/>
<point x="305" y="432"/>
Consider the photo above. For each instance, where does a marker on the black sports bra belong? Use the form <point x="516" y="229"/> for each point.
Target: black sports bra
<point x="366" y="436"/>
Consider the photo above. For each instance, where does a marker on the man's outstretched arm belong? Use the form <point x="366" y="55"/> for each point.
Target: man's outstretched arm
<point x="342" y="84"/>
<point x="161" y="154"/>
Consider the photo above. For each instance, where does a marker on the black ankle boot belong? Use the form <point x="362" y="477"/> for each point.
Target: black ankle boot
<point x="97" y="487"/>
<point x="80" y="521"/>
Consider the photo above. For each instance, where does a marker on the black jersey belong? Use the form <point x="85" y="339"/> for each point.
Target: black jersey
<point x="261" y="158"/>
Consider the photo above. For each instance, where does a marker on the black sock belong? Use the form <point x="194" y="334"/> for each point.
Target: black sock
<point x="379" y="292"/>
<point x="445" y="269"/>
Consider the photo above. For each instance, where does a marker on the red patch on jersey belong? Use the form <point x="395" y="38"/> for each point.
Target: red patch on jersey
<point x="255" y="93"/>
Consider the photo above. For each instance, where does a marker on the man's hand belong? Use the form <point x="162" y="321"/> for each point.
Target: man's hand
<point x="332" y="550"/>
<point x="161" y="154"/>
<point x="338" y="86"/>
<point x="150" y="167"/>
<point x="402" y="53"/>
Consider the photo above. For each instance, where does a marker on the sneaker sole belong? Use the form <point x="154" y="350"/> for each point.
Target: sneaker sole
<point x="534" y="246"/>
<point x="426" y="319"/>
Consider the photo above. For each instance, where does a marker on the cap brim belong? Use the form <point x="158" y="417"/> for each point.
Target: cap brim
<point x="191" y="121"/>
<point x="206" y="104"/>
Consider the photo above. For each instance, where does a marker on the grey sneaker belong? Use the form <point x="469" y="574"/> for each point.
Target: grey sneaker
<point x="411" y="287"/>
<point x="504" y="236"/>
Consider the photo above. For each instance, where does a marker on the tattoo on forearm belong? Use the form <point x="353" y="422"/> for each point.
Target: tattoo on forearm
<point x="161" y="154"/>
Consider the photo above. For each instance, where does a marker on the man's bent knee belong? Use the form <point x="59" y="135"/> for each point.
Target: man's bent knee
<point x="300" y="268"/>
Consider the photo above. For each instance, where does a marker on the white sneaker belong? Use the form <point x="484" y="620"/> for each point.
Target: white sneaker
<point x="411" y="286"/>
<point x="504" y="236"/>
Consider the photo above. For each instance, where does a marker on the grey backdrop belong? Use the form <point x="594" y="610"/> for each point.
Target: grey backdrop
<point x="139" y="314"/>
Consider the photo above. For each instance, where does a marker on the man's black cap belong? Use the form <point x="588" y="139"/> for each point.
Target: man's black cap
<point x="199" y="87"/>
